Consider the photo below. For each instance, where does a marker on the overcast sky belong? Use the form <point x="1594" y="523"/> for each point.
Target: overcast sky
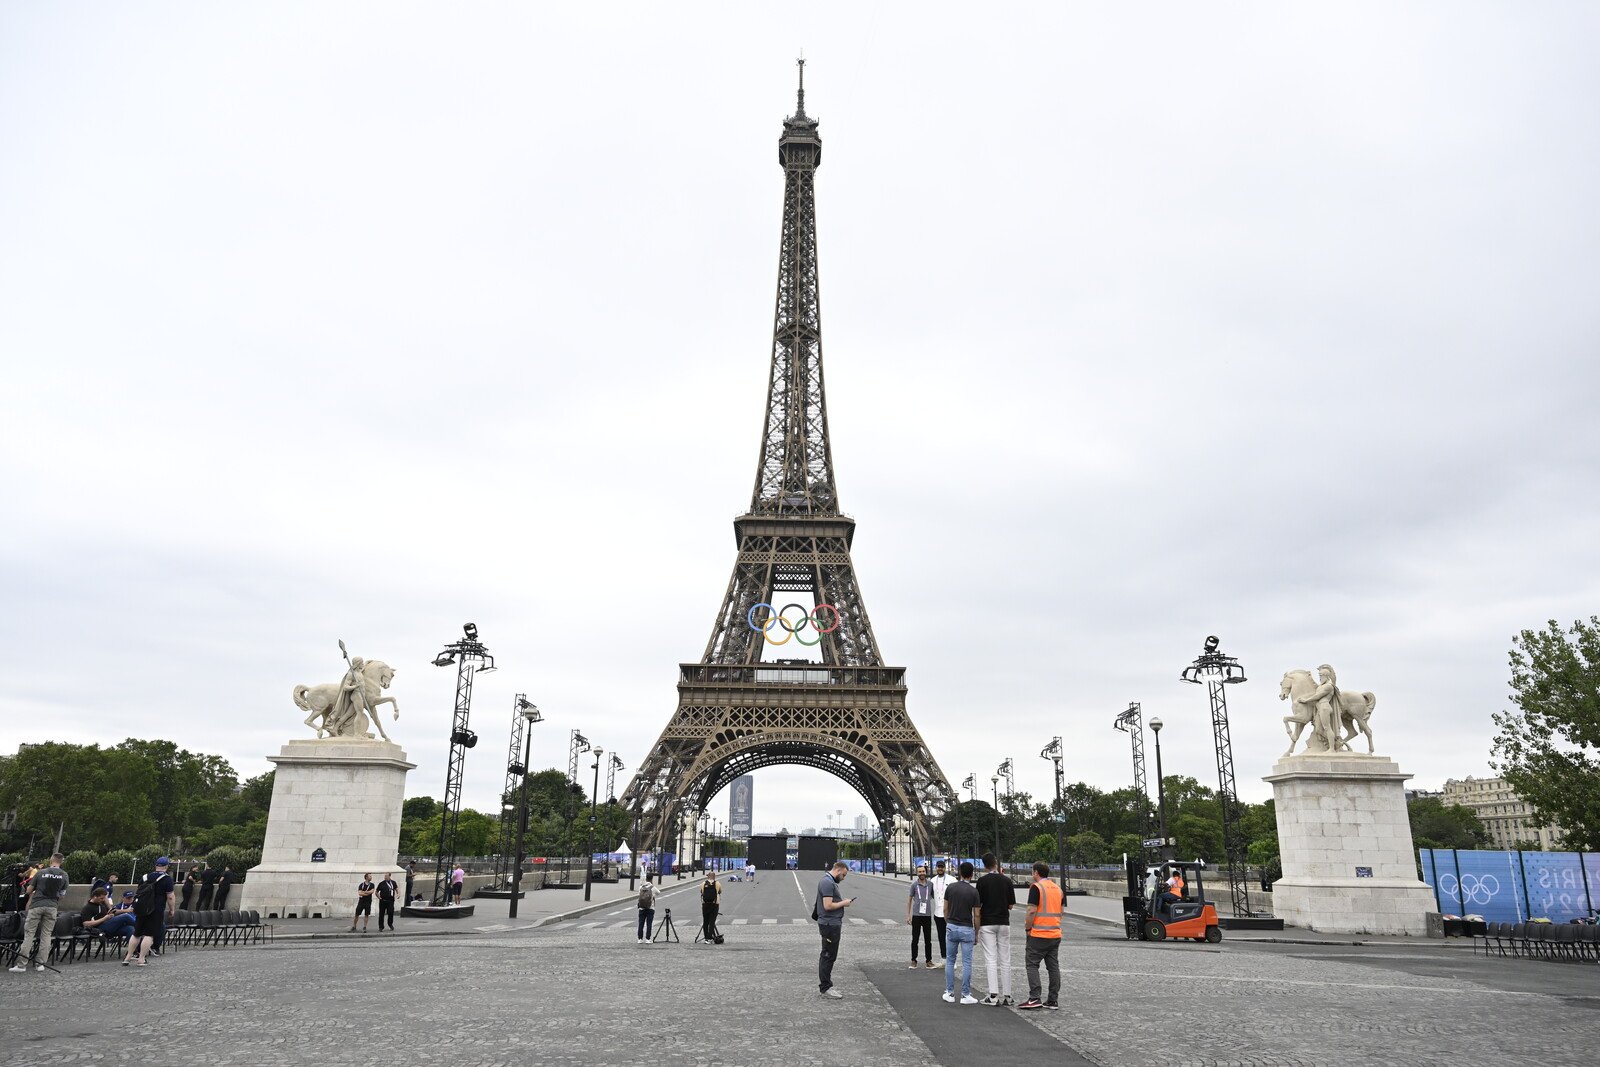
<point x="362" y="321"/>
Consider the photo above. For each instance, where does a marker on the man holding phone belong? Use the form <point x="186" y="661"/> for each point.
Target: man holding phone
<point x="829" y="912"/>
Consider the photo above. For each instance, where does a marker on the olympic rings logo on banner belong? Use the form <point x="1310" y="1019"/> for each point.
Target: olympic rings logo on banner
<point x="778" y="620"/>
<point x="1471" y="889"/>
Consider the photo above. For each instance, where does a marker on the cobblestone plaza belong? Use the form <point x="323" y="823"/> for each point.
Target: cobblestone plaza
<point x="582" y="991"/>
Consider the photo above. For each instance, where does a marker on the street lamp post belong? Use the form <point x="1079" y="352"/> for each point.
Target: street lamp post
<point x="1053" y="752"/>
<point x="1161" y="795"/>
<point x="588" y="849"/>
<point x="530" y="715"/>
<point x="995" y="781"/>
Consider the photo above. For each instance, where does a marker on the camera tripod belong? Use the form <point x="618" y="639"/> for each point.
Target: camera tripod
<point x="665" y="932"/>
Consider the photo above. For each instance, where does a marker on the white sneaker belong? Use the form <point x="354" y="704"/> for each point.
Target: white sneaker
<point x="948" y="997"/>
<point x="832" y="993"/>
<point x="969" y="999"/>
<point x="38" y="967"/>
<point x="21" y="968"/>
<point x="992" y="1000"/>
<point x="641" y="941"/>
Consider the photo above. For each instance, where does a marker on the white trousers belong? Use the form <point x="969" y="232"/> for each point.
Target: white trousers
<point x="996" y="944"/>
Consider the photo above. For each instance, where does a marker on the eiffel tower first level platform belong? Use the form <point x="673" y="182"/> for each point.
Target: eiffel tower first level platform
<point x="824" y="698"/>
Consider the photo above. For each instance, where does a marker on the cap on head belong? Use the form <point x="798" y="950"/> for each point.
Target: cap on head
<point x="162" y="862"/>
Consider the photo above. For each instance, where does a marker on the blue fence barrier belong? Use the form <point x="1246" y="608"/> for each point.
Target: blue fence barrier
<point x="1512" y="886"/>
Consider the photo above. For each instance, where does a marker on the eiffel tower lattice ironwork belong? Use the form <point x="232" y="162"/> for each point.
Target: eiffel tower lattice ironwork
<point x="847" y="713"/>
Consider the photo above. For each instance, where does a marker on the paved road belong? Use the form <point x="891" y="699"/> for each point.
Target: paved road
<point x="583" y="991"/>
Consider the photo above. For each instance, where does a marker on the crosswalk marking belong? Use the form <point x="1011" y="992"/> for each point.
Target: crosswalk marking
<point x="589" y="926"/>
<point x="858" y="922"/>
<point x="890" y="922"/>
<point x="740" y="922"/>
<point x="769" y="922"/>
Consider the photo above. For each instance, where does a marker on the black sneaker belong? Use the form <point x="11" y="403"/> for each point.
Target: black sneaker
<point x="1029" y="1004"/>
<point x="1052" y="1005"/>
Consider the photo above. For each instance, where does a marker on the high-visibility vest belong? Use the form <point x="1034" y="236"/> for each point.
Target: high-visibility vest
<point x="1177" y="883"/>
<point x="1047" y="920"/>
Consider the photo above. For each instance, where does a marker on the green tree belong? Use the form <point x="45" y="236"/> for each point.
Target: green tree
<point x="179" y="781"/>
<point x="1036" y="848"/>
<point x="1199" y="836"/>
<point x="1435" y="824"/>
<point x="1087" y="848"/>
<point x="98" y="796"/>
<point x="1126" y="845"/>
<point x="419" y="808"/>
<point x="81" y="866"/>
<point x="1548" y="748"/>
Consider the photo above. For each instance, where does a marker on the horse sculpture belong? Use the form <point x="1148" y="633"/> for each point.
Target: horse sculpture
<point x="331" y="719"/>
<point x="1353" y="714"/>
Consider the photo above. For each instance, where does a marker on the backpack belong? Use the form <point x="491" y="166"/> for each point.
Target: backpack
<point x="708" y="892"/>
<point x="647" y="896"/>
<point x="147" y="901"/>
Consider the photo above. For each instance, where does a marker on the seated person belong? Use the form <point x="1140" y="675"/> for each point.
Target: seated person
<point x="1173" y="893"/>
<point x="125" y="905"/>
<point x="98" y="917"/>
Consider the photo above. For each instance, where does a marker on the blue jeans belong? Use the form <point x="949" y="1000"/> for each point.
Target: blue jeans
<point x="116" y="926"/>
<point x="958" y="939"/>
<point x="647" y="923"/>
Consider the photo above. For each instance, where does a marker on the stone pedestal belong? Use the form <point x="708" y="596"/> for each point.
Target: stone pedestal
<point x="342" y="796"/>
<point x="1345" y="843"/>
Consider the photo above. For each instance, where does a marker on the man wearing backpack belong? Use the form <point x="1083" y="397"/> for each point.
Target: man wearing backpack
<point x="647" y="911"/>
<point x="151" y="906"/>
<point x="710" y="905"/>
<point x="44" y="901"/>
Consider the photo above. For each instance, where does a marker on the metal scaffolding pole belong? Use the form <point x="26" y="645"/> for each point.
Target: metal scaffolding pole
<point x="1218" y="671"/>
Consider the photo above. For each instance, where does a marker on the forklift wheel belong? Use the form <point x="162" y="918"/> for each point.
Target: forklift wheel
<point x="1155" y="930"/>
<point x="1213" y="934"/>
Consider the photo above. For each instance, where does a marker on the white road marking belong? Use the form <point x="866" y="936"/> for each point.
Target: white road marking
<point x="890" y="922"/>
<point x="740" y="922"/>
<point x="769" y="922"/>
<point x="858" y="922"/>
<point x="589" y="926"/>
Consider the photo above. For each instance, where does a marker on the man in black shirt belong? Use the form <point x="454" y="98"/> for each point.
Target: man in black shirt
<point x="386" y="893"/>
<point x="961" y="909"/>
<point x="364" y="893"/>
<point x="224" y="883"/>
<point x="208" y="886"/>
<point x="999" y="896"/>
<point x="151" y="906"/>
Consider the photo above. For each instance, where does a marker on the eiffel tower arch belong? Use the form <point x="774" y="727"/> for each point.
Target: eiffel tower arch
<point x="737" y="713"/>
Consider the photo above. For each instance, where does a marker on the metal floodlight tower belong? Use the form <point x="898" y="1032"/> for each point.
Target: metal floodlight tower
<point x="1217" y="672"/>
<point x="516" y="771"/>
<point x="575" y="748"/>
<point x="470" y="657"/>
<point x="970" y="784"/>
<point x="1055" y="754"/>
<point x="1131" y="722"/>
<point x="529" y="715"/>
<point x="611" y="778"/>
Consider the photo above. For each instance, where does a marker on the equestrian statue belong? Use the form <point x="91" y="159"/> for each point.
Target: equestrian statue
<point x="336" y="709"/>
<point x="1327" y="709"/>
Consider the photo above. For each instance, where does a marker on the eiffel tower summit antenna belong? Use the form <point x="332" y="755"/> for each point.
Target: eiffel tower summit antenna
<point x="744" y="706"/>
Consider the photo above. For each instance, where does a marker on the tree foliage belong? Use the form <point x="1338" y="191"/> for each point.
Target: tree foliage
<point x="1548" y="747"/>
<point x="1435" y="824"/>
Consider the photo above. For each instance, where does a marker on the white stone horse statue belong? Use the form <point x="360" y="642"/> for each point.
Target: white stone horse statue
<point x="1353" y="713"/>
<point x="333" y="718"/>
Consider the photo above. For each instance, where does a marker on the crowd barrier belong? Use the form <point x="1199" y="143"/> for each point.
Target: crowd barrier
<point x="1512" y="886"/>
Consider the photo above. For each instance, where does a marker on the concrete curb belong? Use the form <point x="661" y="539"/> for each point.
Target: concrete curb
<point x="546" y="920"/>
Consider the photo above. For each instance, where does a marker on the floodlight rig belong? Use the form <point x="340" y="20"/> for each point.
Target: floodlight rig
<point x="577" y="745"/>
<point x="470" y="657"/>
<point x="516" y="771"/>
<point x="1217" y="672"/>
<point x="1131" y="722"/>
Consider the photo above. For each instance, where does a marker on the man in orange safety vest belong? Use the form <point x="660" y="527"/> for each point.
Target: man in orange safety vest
<point x="1043" y="926"/>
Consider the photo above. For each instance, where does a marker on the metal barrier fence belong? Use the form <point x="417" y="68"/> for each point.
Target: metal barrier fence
<point x="1512" y="886"/>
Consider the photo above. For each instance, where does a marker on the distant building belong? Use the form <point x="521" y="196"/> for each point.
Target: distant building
<point x="1508" y="818"/>
<point x="861" y="822"/>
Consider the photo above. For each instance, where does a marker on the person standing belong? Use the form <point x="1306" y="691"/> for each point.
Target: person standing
<point x="940" y="882"/>
<point x="999" y="896"/>
<point x="208" y="886"/>
<point x="386" y="894"/>
<point x="224" y="885"/>
<point x="710" y="906"/>
<point x="962" y="909"/>
<point x="151" y="904"/>
<point x="1042" y="922"/>
<point x="191" y="881"/>
<point x="411" y="879"/>
<point x="458" y="883"/>
<point x="45" y="891"/>
<point x="364" y="893"/>
<point x="919" y="913"/>
<point x="647" y="911"/>
<point x="829" y="913"/>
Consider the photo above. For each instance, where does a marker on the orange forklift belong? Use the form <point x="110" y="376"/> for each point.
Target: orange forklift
<point x="1148" y="917"/>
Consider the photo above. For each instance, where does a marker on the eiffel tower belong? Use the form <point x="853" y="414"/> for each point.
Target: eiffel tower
<point x="847" y="714"/>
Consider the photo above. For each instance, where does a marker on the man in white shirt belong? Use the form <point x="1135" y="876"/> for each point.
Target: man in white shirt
<point x="941" y="882"/>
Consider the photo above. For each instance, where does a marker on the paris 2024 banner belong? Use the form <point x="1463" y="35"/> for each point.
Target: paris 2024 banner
<point x="1513" y="886"/>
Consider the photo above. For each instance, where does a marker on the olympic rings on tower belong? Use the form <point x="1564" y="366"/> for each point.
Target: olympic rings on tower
<point x="773" y="620"/>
